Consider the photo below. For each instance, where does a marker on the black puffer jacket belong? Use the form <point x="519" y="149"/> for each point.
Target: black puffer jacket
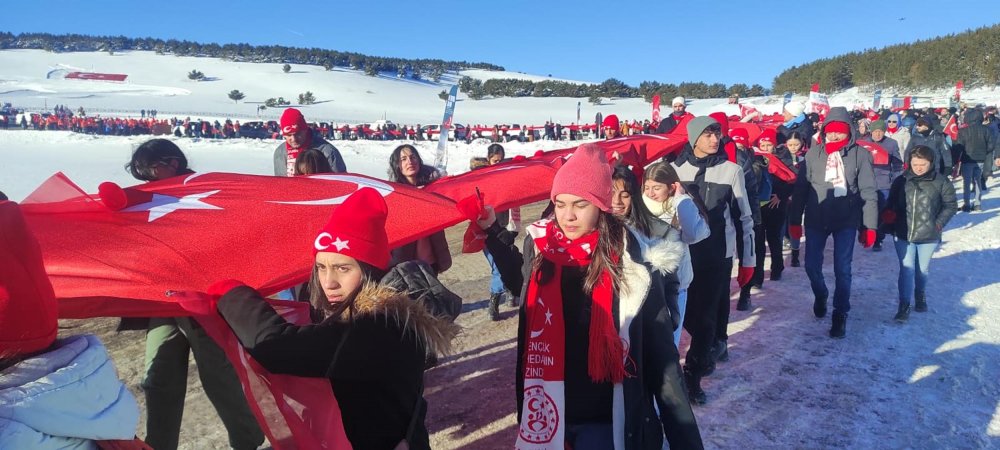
<point x="922" y="205"/>
<point x="975" y="142"/>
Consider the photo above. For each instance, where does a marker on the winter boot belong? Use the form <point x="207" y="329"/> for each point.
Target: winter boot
<point x="693" y="381"/>
<point x="921" y="302"/>
<point x="795" y="258"/>
<point x="903" y="313"/>
<point x="877" y="247"/>
<point x="744" y="303"/>
<point x="721" y="351"/>
<point x="819" y="307"/>
<point x="495" y="306"/>
<point x="776" y="274"/>
<point x="839" y="328"/>
<point x="514" y="301"/>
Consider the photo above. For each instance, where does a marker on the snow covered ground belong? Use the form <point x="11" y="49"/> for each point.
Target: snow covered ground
<point x="930" y="383"/>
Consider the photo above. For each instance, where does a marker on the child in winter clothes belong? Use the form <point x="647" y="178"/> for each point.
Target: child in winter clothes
<point x="590" y="304"/>
<point x="920" y="204"/>
<point x="665" y="198"/>
<point x="374" y="341"/>
<point x="54" y="394"/>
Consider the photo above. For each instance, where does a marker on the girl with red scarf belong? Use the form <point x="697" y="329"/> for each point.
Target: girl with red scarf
<point x="596" y="357"/>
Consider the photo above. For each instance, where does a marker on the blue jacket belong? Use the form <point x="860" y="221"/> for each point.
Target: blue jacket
<point x="65" y="399"/>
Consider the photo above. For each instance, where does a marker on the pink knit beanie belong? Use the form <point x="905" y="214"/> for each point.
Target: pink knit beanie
<point x="586" y="175"/>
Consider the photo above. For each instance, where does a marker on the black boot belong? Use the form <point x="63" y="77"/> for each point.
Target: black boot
<point x="721" y="351"/>
<point x="495" y="306"/>
<point x="903" y="313"/>
<point x="693" y="381"/>
<point x="795" y="258"/>
<point x="776" y="274"/>
<point x="839" y="328"/>
<point x="514" y="301"/>
<point x="744" y="303"/>
<point x="921" y="302"/>
<point x="819" y="307"/>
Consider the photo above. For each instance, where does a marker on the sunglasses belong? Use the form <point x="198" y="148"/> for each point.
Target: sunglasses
<point x="891" y="121"/>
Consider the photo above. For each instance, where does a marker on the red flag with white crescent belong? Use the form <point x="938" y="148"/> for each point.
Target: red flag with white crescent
<point x="951" y="128"/>
<point x="879" y="154"/>
<point x="186" y="232"/>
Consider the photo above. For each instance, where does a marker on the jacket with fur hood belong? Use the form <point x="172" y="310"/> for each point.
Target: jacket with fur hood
<point x="646" y="315"/>
<point x="375" y="359"/>
<point x="682" y="222"/>
<point x="813" y="195"/>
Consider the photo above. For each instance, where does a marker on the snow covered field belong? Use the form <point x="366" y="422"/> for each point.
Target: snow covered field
<point x="933" y="382"/>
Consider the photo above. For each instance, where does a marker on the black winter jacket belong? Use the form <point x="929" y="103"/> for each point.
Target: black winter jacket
<point x="923" y="205"/>
<point x="375" y="360"/>
<point x="655" y="376"/>
<point x="975" y="142"/>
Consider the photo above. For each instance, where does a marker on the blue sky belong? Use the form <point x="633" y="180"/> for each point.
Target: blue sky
<point x="666" y="41"/>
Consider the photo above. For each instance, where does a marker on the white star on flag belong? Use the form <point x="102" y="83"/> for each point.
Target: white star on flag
<point x="162" y="205"/>
<point x="341" y="245"/>
<point x="548" y="317"/>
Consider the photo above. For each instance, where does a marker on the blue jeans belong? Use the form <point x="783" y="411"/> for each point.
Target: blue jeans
<point x="496" y="284"/>
<point x="972" y="172"/>
<point x="843" y="253"/>
<point x="914" y="263"/>
<point x="682" y="301"/>
<point x="591" y="436"/>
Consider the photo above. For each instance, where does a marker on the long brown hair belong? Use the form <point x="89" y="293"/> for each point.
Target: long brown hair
<point x="607" y="257"/>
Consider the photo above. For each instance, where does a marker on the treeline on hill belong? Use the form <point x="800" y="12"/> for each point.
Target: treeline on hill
<point x="509" y="87"/>
<point x="372" y="65"/>
<point x="972" y="56"/>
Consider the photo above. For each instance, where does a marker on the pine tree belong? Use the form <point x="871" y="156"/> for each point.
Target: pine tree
<point x="236" y="95"/>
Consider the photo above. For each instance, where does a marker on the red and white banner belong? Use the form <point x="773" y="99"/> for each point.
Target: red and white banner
<point x="958" y="90"/>
<point x="97" y="76"/>
<point x="819" y="103"/>
<point x="656" y="108"/>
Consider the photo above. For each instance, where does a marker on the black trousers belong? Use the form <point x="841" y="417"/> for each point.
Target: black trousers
<point x="702" y="311"/>
<point x="722" y="313"/>
<point x="773" y="221"/>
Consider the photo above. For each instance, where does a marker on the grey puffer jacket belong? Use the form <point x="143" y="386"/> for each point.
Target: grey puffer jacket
<point x="813" y="195"/>
<point x="922" y="204"/>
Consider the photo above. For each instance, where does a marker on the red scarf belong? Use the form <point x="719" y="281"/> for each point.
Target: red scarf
<point x="543" y="409"/>
<point x="831" y="147"/>
<point x="293" y="153"/>
<point x="892" y="129"/>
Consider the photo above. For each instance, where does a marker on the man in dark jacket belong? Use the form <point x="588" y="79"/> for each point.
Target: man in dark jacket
<point x="927" y="136"/>
<point x="977" y="145"/>
<point x="835" y="191"/>
<point x="796" y="120"/>
<point x="706" y="172"/>
<point x="299" y="138"/>
<point x="884" y="173"/>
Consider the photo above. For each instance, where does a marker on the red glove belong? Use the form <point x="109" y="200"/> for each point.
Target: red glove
<point x="795" y="232"/>
<point x="867" y="238"/>
<point x="744" y="275"/>
<point x="888" y="216"/>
